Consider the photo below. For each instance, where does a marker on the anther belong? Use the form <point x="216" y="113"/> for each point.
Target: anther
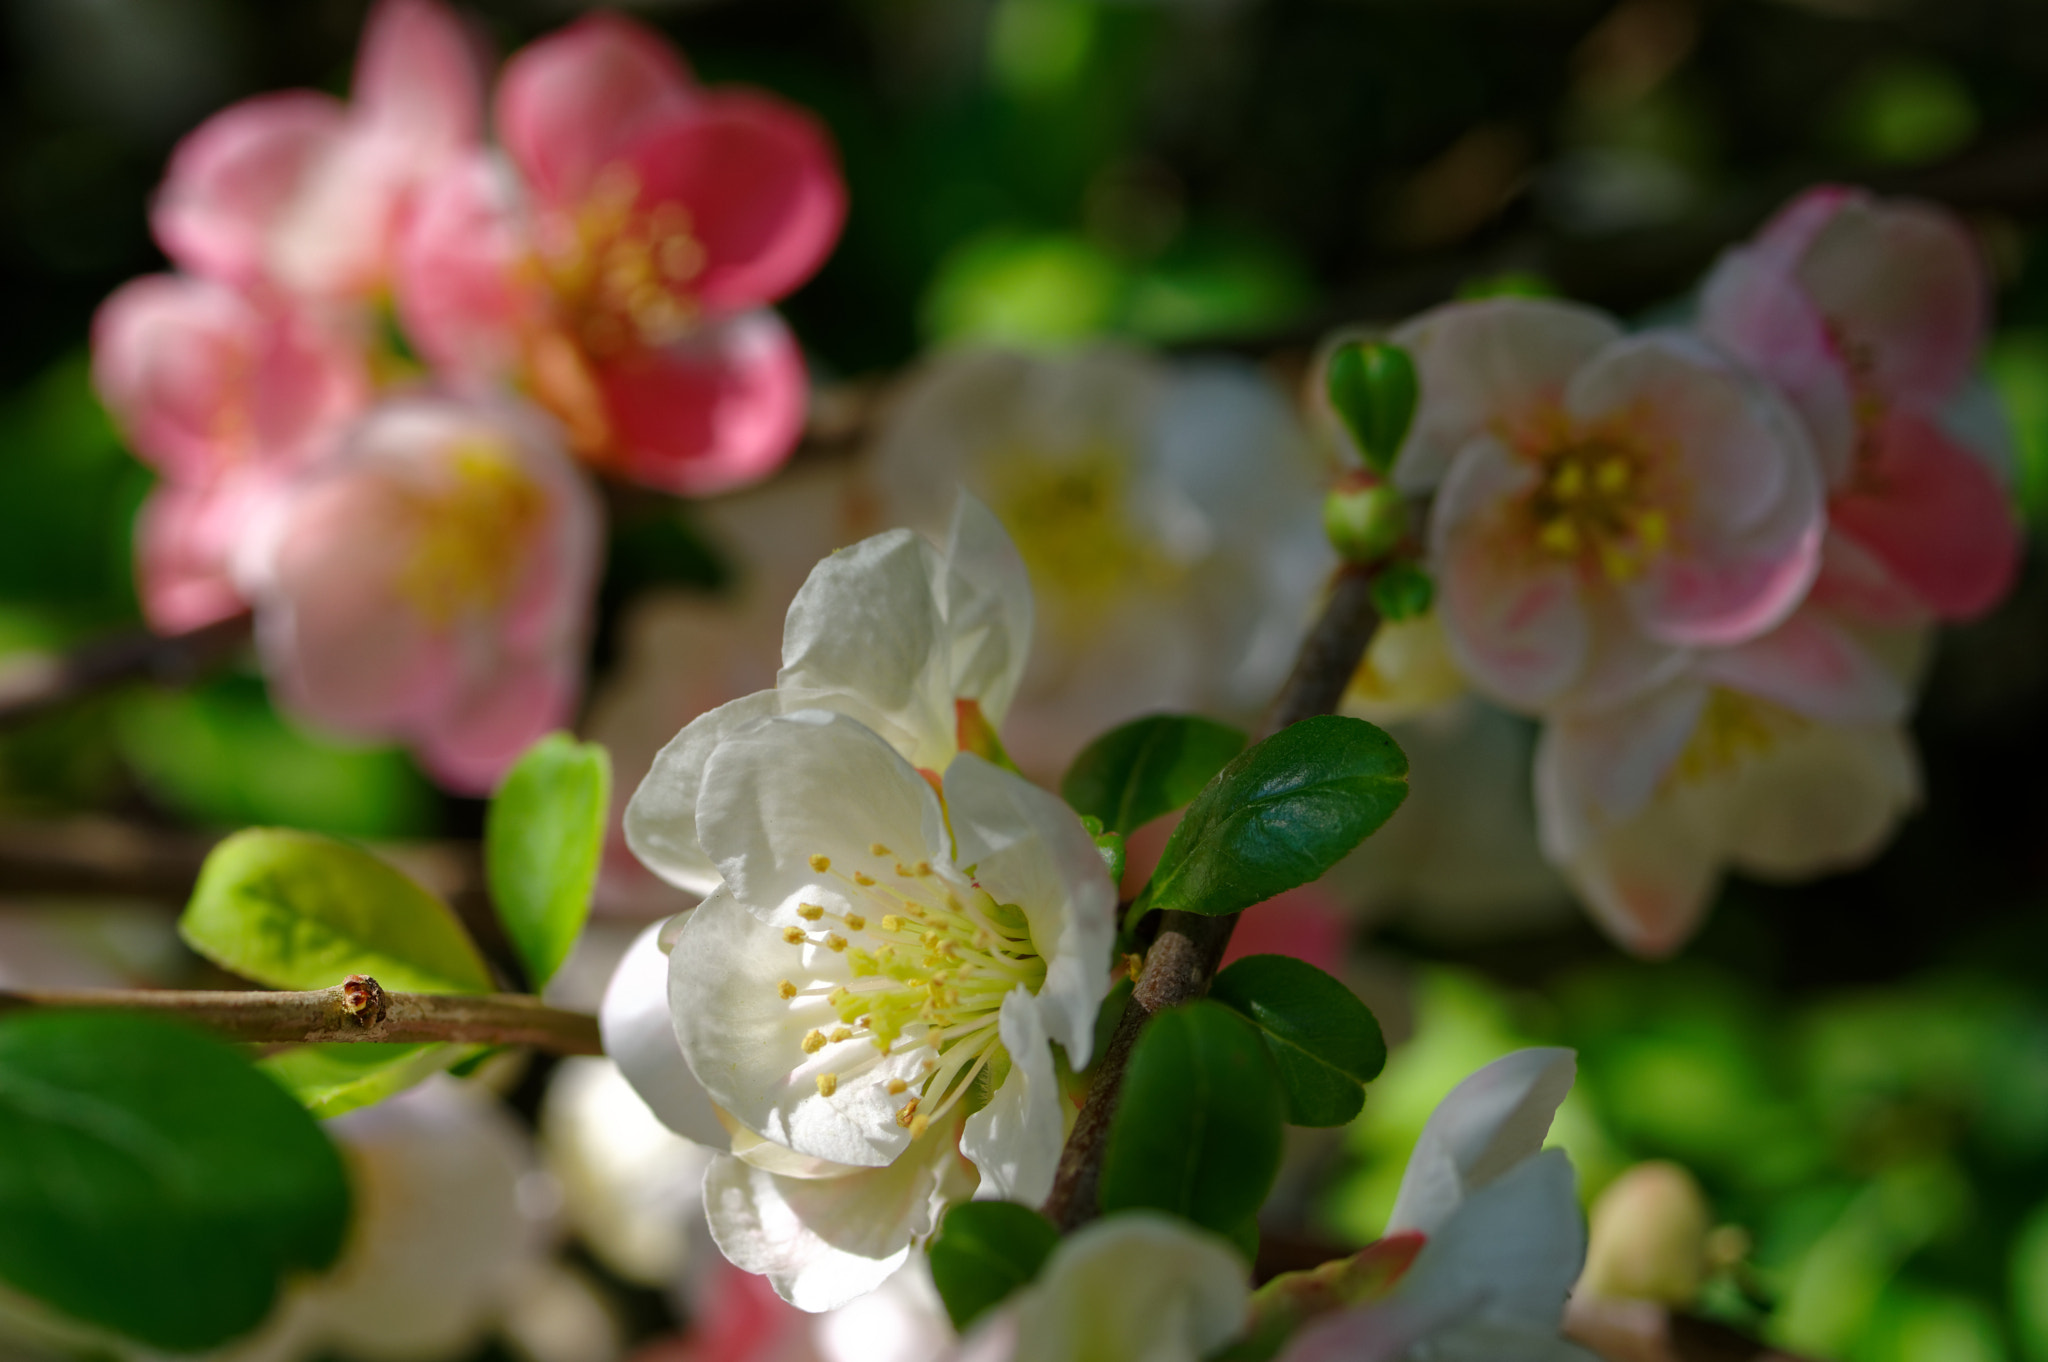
<point x="814" y="1041"/>
<point x="809" y="912"/>
<point x="840" y="1033"/>
<point x="876" y="848"/>
<point x="908" y="1114"/>
<point x="821" y="864"/>
<point x="862" y="878"/>
<point x="919" y="1125"/>
<point x="856" y="923"/>
<point x="921" y="869"/>
<point x="902" y="870"/>
<point x="793" y="935"/>
<point x="827" y="1084"/>
<point x="786" y="990"/>
<point x="834" y="941"/>
<point x="897" y="1086"/>
<point x="1612" y="475"/>
<point x="891" y="923"/>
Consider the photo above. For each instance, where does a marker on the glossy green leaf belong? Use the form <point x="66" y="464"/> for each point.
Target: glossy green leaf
<point x="543" y="841"/>
<point x="331" y="1079"/>
<point x="298" y="910"/>
<point x="152" y="1182"/>
<point x="985" y="1251"/>
<point x="1197" y="1128"/>
<point x="1280" y="815"/>
<point x="1132" y="774"/>
<point x="1325" y="1044"/>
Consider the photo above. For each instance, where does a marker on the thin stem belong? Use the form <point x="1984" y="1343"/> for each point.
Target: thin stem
<point x="355" y="1011"/>
<point x="1185" y="955"/>
<point x="33" y="684"/>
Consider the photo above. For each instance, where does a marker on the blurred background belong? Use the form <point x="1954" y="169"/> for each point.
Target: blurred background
<point x="1856" y="1070"/>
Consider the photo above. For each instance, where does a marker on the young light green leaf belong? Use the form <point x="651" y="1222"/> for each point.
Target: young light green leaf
<point x="543" y="840"/>
<point x="331" y="1079"/>
<point x="1372" y="386"/>
<point x="298" y="910"/>
<point x="1132" y="774"/>
<point x="152" y="1182"/>
<point x="1280" y="815"/>
<point x="1197" y="1128"/>
<point x="1325" y="1044"/>
<point x="985" y="1251"/>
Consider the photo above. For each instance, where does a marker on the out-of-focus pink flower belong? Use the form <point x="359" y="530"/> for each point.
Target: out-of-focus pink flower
<point x="622" y="274"/>
<point x="1783" y="756"/>
<point x="299" y="193"/>
<point x="221" y="395"/>
<point x="1603" y="504"/>
<point x="430" y="581"/>
<point x="1870" y="316"/>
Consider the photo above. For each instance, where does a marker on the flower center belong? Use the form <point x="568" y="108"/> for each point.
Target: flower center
<point x="471" y="534"/>
<point x="931" y="964"/>
<point x="1594" y="508"/>
<point x="1733" y="729"/>
<point x="623" y="274"/>
<point x="1070" y="519"/>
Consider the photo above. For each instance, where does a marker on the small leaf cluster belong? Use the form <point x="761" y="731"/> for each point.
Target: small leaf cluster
<point x="158" y="1184"/>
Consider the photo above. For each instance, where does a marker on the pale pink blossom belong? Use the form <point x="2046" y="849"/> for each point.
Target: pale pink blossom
<point x="1603" y="504"/>
<point x="299" y="193"/>
<point x="1871" y="316"/>
<point x="618" y="260"/>
<point x="1784" y="757"/>
<point x="430" y="582"/>
<point x="221" y="395"/>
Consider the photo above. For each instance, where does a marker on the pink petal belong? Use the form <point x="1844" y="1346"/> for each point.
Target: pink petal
<point x="1810" y="666"/>
<point x="1495" y="366"/>
<point x="711" y="414"/>
<point x="1855" y="585"/>
<point x="418" y="77"/>
<point x="569" y="104"/>
<point x="1649" y="883"/>
<point x="184" y="542"/>
<point x="470" y="749"/>
<point x="1934" y="515"/>
<point x="231" y="178"/>
<point x="202" y="380"/>
<point x="1514" y="618"/>
<point x="467" y="291"/>
<point x="1906" y="292"/>
<point x="1598" y="769"/>
<point x="1735" y="475"/>
<point x="761" y="183"/>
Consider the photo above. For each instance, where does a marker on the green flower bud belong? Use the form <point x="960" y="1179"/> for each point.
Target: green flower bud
<point x="1365" y="519"/>
<point x="1372" y="386"/>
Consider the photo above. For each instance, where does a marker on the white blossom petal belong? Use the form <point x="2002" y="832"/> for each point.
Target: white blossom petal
<point x="987" y="609"/>
<point x="640" y="1038"/>
<point x="1015" y="1140"/>
<point x="1137" y="1287"/>
<point x="661" y="819"/>
<point x="1488" y="1124"/>
<point x="1028" y="848"/>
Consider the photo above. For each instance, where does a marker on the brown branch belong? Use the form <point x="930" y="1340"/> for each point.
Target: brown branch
<point x="1184" y="956"/>
<point x="357" y="1011"/>
<point x="38" y="682"/>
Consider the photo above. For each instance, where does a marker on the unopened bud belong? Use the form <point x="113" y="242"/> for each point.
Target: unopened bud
<point x="1372" y="386"/>
<point x="1648" y="1238"/>
<point x="1365" y="519"/>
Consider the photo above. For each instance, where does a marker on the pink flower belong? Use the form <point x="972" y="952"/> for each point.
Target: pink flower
<point x="1870" y="315"/>
<point x="622" y="274"/>
<point x="1783" y="756"/>
<point x="299" y="193"/>
<point x="430" y="581"/>
<point x="220" y="394"/>
<point x="1603" y="504"/>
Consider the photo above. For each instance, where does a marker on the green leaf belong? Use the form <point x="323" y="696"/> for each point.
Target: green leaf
<point x="1280" y="815"/>
<point x="1110" y="844"/>
<point x="298" y="910"/>
<point x="1325" y="1044"/>
<point x="985" y="1251"/>
<point x="331" y="1079"/>
<point x="1402" y="591"/>
<point x="1132" y="774"/>
<point x="1197" y="1129"/>
<point x="543" y="840"/>
<point x="1373" y="388"/>
<point x="152" y="1182"/>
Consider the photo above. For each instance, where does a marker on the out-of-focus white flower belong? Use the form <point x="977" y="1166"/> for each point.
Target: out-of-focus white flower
<point x="632" y="1188"/>
<point x="1168" y="513"/>
<point x="1502" y="1236"/>
<point x="1136" y="1287"/>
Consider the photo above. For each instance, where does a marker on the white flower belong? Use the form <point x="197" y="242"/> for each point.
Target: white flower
<point x="1168" y="513"/>
<point x="1136" y="1287"/>
<point x="1503" y="1237"/>
<point x="889" y="631"/>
